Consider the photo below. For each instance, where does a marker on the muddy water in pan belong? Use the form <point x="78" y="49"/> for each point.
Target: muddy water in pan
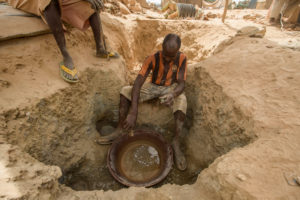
<point x="140" y="161"/>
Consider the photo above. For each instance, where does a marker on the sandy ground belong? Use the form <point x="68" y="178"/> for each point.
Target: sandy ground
<point x="258" y="77"/>
<point x="263" y="79"/>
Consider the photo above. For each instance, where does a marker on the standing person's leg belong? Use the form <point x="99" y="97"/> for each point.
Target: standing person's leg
<point x="180" y="160"/>
<point x="274" y="10"/>
<point x="52" y="16"/>
<point x="95" y="23"/>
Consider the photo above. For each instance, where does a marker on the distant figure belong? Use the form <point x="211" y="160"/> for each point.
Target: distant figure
<point x="79" y="13"/>
<point x="289" y="10"/>
<point x="174" y="10"/>
<point x="169" y="68"/>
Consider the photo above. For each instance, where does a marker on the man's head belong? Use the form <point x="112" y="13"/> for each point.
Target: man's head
<point x="171" y="46"/>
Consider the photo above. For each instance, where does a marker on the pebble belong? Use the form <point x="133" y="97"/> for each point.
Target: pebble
<point x="241" y="177"/>
<point x="297" y="179"/>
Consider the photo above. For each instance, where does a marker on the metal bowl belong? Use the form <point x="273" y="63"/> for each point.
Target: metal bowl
<point x="142" y="160"/>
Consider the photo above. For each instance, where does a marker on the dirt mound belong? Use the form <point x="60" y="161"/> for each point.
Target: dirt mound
<point x="199" y="39"/>
<point x="263" y="80"/>
<point x="263" y="103"/>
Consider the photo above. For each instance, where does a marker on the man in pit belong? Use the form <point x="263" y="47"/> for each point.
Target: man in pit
<point x="79" y="13"/>
<point x="168" y="69"/>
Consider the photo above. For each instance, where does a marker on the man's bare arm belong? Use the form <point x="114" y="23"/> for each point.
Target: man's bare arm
<point x="129" y="123"/>
<point x="180" y="82"/>
<point x="179" y="88"/>
<point x="135" y="94"/>
<point x="169" y="98"/>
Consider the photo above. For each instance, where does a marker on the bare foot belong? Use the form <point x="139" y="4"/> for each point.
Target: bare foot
<point x="180" y="160"/>
<point x="68" y="62"/>
<point x="108" y="139"/>
<point x="101" y="52"/>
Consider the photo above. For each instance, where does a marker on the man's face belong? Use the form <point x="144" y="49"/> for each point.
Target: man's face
<point x="169" y="54"/>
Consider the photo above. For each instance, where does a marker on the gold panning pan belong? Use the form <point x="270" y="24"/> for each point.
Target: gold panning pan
<point x="142" y="159"/>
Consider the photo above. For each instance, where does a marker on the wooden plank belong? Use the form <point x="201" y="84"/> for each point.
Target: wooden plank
<point x="16" y="24"/>
<point x="225" y="11"/>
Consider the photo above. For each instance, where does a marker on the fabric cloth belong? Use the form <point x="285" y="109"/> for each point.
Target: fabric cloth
<point x="176" y="70"/>
<point x="186" y="10"/>
<point x="252" y="4"/>
<point x="181" y="10"/>
<point x="73" y="12"/>
<point x="151" y="91"/>
<point x="35" y="7"/>
<point x="76" y="13"/>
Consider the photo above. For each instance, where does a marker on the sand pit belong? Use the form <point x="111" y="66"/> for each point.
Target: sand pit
<point x="241" y="127"/>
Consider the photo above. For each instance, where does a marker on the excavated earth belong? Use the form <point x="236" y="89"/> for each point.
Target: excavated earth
<point x="241" y="132"/>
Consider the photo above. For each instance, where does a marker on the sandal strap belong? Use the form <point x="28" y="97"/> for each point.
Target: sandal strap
<point x="111" y="54"/>
<point x="69" y="71"/>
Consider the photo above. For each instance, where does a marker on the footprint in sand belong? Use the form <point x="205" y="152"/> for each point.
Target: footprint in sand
<point x="4" y="84"/>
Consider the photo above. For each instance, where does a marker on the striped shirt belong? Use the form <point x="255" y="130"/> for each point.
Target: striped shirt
<point x="176" y="70"/>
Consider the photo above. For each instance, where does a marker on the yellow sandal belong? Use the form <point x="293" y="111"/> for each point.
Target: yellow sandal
<point x="73" y="73"/>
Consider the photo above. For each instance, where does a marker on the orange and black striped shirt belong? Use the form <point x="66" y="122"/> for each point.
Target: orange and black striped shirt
<point x="176" y="70"/>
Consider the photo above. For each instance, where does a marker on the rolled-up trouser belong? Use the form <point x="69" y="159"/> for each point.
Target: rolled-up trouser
<point x="74" y="12"/>
<point x="151" y="91"/>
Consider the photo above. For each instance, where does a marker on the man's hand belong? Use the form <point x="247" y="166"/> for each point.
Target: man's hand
<point x="130" y="121"/>
<point x="167" y="99"/>
<point x="96" y="4"/>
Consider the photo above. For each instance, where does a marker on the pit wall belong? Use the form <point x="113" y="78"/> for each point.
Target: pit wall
<point x="256" y="171"/>
<point x="218" y="125"/>
<point x="210" y="107"/>
<point x="214" y="124"/>
<point x="60" y="128"/>
<point x="136" y="39"/>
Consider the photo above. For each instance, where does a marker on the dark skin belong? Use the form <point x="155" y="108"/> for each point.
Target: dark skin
<point x="168" y="56"/>
<point x="52" y="16"/>
<point x="128" y="110"/>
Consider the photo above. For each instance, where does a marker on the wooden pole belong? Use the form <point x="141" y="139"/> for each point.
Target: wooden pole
<point x="225" y="10"/>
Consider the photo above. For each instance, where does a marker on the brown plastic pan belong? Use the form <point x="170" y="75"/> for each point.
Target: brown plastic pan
<point x="126" y="167"/>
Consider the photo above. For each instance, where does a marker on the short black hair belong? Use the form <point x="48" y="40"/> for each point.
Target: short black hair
<point x="172" y="36"/>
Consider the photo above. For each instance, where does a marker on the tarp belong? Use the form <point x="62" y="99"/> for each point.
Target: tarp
<point x="252" y="4"/>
